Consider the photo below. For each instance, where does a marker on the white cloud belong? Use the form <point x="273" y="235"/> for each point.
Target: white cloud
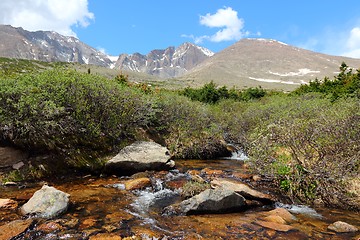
<point x="353" y="43"/>
<point x="51" y="15"/>
<point x="225" y="18"/>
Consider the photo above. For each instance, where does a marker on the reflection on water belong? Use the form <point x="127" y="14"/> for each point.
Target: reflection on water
<point x="102" y="205"/>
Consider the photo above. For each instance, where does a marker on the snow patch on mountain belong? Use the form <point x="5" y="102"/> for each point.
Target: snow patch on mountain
<point x="301" y="72"/>
<point x="274" y="81"/>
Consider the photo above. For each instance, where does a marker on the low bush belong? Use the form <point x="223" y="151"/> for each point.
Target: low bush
<point x="76" y="115"/>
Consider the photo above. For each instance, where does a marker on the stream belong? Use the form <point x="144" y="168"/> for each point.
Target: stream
<point x="100" y="206"/>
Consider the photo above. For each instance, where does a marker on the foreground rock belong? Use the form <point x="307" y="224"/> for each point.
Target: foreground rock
<point x="14" y="228"/>
<point x="243" y="190"/>
<point x="212" y="201"/>
<point x="342" y="227"/>
<point x="48" y="202"/>
<point x="138" y="157"/>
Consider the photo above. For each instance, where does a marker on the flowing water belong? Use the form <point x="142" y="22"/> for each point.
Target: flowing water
<point x="102" y="205"/>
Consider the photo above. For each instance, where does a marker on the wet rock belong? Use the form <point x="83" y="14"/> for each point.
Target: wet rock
<point x="242" y="189"/>
<point x="48" y="202"/>
<point x="105" y="236"/>
<point x="283" y="213"/>
<point x="138" y="157"/>
<point x="88" y="223"/>
<point x="15" y="228"/>
<point x="212" y="200"/>
<point x="49" y="227"/>
<point x="8" y="184"/>
<point x="71" y="223"/>
<point x="8" y="204"/>
<point x="275" y="219"/>
<point x="212" y="172"/>
<point x="275" y="226"/>
<point x="342" y="227"/>
<point x="137" y="183"/>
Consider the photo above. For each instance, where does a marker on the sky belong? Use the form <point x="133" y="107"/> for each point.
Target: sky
<point x="119" y="26"/>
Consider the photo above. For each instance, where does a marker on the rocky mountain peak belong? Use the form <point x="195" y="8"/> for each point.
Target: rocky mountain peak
<point x="48" y="46"/>
<point x="165" y="63"/>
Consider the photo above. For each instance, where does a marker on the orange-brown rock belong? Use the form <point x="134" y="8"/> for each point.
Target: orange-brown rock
<point x="193" y="172"/>
<point x="8" y="204"/>
<point x="105" y="236"/>
<point x="88" y="223"/>
<point x="137" y="183"/>
<point x="275" y="219"/>
<point x="283" y="213"/>
<point x="212" y="172"/>
<point x="14" y="228"/>
<point x="49" y="227"/>
<point x="275" y="226"/>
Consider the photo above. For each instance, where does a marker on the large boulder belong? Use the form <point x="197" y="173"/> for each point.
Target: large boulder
<point x="138" y="157"/>
<point x="243" y="190"/>
<point x="212" y="201"/>
<point x="48" y="202"/>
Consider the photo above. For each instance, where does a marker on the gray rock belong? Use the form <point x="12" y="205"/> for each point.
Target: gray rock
<point x="342" y="227"/>
<point x="48" y="202"/>
<point x="243" y="189"/>
<point x="212" y="200"/>
<point x="138" y="157"/>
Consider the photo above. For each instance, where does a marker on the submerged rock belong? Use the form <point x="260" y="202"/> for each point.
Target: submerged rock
<point x="212" y="200"/>
<point x="48" y="202"/>
<point x="140" y="156"/>
<point x="137" y="183"/>
<point x="15" y="228"/>
<point x="275" y="226"/>
<point x="342" y="227"/>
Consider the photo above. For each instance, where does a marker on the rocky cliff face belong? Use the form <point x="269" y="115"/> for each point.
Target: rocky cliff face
<point x="167" y="63"/>
<point x="47" y="46"/>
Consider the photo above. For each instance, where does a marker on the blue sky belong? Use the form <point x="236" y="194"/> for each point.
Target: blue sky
<point x="117" y="26"/>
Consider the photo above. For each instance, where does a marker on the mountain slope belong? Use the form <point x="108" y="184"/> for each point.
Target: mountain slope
<point x="166" y="63"/>
<point x="266" y="63"/>
<point x="47" y="46"/>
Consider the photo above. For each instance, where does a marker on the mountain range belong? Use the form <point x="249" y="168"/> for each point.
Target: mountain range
<point x="167" y="63"/>
<point x="247" y="63"/>
<point x="48" y="46"/>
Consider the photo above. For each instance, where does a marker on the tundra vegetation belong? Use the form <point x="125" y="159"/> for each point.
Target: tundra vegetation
<point x="307" y="141"/>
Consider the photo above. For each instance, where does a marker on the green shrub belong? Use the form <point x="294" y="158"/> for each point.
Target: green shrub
<point x="69" y="113"/>
<point x="321" y="140"/>
<point x="188" y="128"/>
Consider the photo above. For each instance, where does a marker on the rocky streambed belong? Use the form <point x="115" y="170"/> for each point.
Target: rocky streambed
<point x="137" y="207"/>
<point x="217" y="199"/>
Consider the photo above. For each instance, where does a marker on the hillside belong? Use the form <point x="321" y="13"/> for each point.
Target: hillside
<point x="267" y="63"/>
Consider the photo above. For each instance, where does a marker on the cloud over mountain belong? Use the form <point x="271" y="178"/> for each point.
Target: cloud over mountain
<point x="52" y="15"/>
<point x="231" y="26"/>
